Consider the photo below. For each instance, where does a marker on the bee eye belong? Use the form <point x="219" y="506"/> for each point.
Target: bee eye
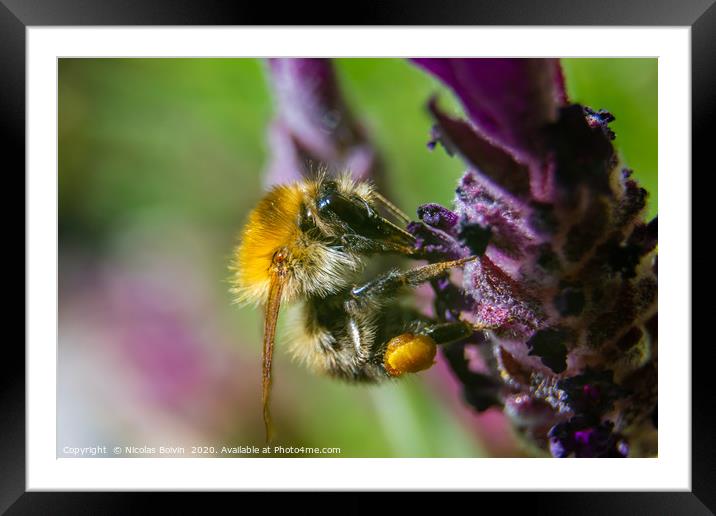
<point x="346" y="210"/>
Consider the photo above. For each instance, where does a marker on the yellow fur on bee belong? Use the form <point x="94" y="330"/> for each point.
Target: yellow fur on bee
<point x="409" y="353"/>
<point x="270" y="227"/>
<point x="310" y="266"/>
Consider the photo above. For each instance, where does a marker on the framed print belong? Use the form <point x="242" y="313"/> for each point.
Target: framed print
<point x="420" y="254"/>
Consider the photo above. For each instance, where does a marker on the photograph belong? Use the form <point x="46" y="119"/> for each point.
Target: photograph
<point x="357" y="257"/>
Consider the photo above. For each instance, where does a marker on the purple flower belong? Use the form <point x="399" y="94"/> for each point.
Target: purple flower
<point x="563" y="293"/>
<point x="510" y="101"/>
<point x="565" y="285"/>
<point x="314" y="127"/>
<point x="579" y="438"/>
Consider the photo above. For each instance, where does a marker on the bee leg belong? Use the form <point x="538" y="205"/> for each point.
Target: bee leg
<point x="413" y="352"/>
<point x="363" y="245"/>
<point x="408" y="352"/>
<point x="446" y="333"/>
<point x="392" y="281"/>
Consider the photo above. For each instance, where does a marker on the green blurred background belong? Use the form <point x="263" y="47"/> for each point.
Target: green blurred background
<point x="159" y="162"/>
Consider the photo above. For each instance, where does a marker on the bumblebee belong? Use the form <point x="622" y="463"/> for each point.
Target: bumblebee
<point x="308" y="243"/>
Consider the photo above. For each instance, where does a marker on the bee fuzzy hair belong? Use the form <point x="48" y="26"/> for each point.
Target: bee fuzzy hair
<point x="312" y="267"/>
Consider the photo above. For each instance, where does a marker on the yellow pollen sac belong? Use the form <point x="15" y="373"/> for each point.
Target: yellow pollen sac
<point x="409" y="353"/>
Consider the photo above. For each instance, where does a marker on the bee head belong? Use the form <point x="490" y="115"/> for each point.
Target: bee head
<point x="285" y="239"/>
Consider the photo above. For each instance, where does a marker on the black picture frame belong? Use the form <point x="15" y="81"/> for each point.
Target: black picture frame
<point x="16" y="15"/>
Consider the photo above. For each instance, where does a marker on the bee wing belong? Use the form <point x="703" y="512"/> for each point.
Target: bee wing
<point x="270" y="318"/>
